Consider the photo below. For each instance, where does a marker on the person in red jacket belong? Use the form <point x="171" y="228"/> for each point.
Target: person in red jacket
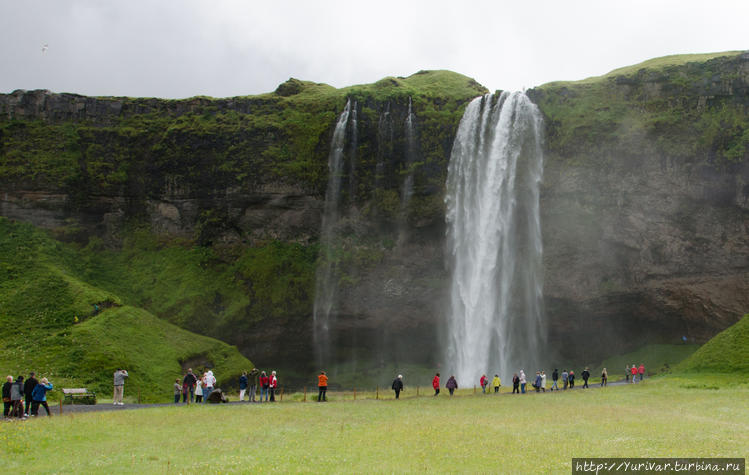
<point x="634" y="373"/>
<point x="483" y="382"/>
<point x="436" y="384"/>
<point x="264" y="385"/>
<point x="273" y="385"/>
<point x="641" y="371"/>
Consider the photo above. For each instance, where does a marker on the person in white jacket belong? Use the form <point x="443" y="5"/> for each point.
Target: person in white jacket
<point x="523" y="381"/>
<point x="208" y="382"/>
<point x="543" y="381"/>
<point x="199" y="391"/>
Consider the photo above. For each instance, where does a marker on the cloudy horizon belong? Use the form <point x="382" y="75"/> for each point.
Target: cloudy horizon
<point x="233" y="48"/>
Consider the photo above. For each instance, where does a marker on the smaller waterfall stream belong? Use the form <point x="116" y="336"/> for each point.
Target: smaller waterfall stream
<point x="325" y="287"/>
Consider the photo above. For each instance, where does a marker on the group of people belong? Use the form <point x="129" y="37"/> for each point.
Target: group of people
<point x="200" y="388"/>
<point x="520" y="380"/>
<point x="31" y="391"/>
<point x="634" y="371"/>
<point x="255" y="380"/>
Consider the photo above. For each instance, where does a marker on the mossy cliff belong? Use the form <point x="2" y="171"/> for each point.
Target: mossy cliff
<point x="645" y="201"/>
<point x="207" y="212"/>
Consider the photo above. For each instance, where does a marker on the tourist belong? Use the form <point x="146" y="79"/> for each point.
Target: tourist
<point x="39" y="396"/>
<point x="571" y="379"/>
<point x="436" y="384"/>
<point x="537" y="381"/>
<point x="565" y="379"/>
<point x="523" y="381"/>
<point x="627" y="372"/>
<point x="242" y="386"/>
<point x="264" y="385"/>
<point x="209" y="381"/>
<point x="543" y="380"/>
<point x="604" y="377"/>
<point x="554" y="378"/>
<point x="119" y="386"/>
<point x="199" y="390"/>
<point x="272" y="386"/>
<point x="28" y="388"/>
<point x="177" y="391"/>
<point x="633" y="370"/>
<point x="322" y="387"/>
<point x="398" y="385"/>
<point x="483" y="382"/>
<point x="515" y="384"/>
<point x="586" y="376"/>
<point x="16" y="398"/>
<point x="451" y="385"/>
<point x="496" y="383"/>
<point x="188" y="385"/>
<point x="6" y="396"/>
<point x="253" y="383"/>
<point x="641" y="371"/>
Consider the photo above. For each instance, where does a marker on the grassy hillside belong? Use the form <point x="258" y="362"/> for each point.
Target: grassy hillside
<point x="654" y="357"/>
<point x="726" y="352"/>
<point x="76" y="333"/>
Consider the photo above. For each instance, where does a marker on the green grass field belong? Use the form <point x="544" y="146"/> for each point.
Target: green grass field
<point x="662" y="417"/>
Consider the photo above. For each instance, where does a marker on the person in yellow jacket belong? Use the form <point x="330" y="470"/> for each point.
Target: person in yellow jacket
<point x="496" y="383"/>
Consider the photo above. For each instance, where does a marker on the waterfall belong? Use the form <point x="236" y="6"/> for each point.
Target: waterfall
<point x="494" y="249"/>
<point x="384" y="144"/>
<point x="325" y="286"/>
<point x="352" y="154"/>
<point x="408" y="183"/>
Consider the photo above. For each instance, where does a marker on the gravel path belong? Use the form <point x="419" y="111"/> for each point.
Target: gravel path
<point x="81" y="408"/>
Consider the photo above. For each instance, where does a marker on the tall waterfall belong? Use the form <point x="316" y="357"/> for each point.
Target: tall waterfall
<point x="494" y="249"/>
<point x="325" y="287"/>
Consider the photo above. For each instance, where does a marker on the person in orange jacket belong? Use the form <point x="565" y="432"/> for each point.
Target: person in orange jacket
<point x="634" y="373"/>
<point x="322" y="386"/>
<point x="436" y="384"/>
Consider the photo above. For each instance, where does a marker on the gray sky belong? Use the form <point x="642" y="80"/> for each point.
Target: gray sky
<point x="172" y="48"/>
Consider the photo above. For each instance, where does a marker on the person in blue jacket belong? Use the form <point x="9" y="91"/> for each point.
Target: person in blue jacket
<point x="39" y="396"/>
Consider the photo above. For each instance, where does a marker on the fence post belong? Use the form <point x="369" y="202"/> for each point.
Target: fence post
<point x="377" y="393"/>
<point x="60" y="406"/>
<point x="138" y="394"/>
<point x="305" y="394"/>
<point x="354" y="394"/>
<point x="281" y="395"/>
<point x="417" y="391"/>
<point x="474" y="389"/>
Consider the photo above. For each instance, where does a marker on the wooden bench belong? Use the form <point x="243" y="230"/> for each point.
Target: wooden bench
<point x="78" y="395"/>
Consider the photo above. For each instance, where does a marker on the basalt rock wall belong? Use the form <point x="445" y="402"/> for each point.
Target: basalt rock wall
<point x="645" y="199"/>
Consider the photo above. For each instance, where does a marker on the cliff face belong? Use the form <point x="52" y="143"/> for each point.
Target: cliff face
<point x="646" y="204"/>
<point x="645" y="201"/>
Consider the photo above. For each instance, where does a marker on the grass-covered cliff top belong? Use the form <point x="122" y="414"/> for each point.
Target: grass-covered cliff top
<point x="654" y="64"/>
<point x="83" y="145"/>
<point x="686" y="108"/>
<point x="55" y="321"/>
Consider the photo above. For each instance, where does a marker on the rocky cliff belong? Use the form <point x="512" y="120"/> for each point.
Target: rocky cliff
<point x="645" y="205"/>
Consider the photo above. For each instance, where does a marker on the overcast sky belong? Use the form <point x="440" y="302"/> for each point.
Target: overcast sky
<point x="183" y="48"/>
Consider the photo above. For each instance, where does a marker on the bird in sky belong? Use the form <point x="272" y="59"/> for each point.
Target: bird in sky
<point x="44" y="48"/>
